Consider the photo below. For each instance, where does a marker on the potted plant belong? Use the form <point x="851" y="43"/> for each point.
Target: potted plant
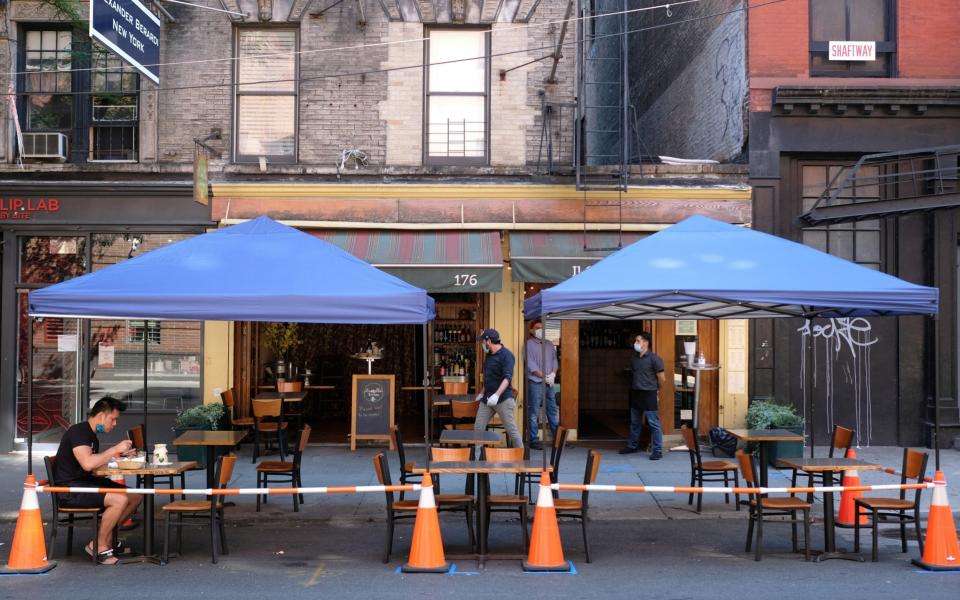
<point x="205" y="417"/>
<point x="282" y="339"/>
<point x="767" y="414"/>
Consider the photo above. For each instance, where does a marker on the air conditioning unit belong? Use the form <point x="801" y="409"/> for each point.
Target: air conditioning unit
<point x="45" y="145"/>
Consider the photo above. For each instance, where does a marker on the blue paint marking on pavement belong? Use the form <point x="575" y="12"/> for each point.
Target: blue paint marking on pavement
<point x="24" y="574"/>
<point x="452" y="571"/>
<point x="572" y="571"/>
<point x="938" y="572"/>
<point x="616" y="468"/>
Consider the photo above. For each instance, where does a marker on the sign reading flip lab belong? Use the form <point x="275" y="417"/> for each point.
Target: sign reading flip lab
<point x="865" y="51"/>
<point x="128" y="28"/>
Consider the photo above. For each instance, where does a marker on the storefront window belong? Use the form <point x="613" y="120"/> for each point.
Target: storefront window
<point x="52" y="259"/>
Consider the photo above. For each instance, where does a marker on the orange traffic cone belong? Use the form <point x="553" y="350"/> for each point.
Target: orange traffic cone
<point x="546" y="551"/>
<point x="848" y="510"/>
<point x="426" y="550"/>
<point x="28" y="553"/>
<point x="941" y="551"/>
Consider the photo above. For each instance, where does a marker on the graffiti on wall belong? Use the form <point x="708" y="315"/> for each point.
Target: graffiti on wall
<point x="841" y="349"/>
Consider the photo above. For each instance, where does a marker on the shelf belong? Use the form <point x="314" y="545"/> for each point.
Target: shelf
<point x="453" y="343"/>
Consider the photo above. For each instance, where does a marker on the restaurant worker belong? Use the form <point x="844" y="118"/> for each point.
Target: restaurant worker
<point x="78" y="455"/>
<point x="536" y="375"/>
<point x="497" y="394"/>
<point x="647" y="375"/>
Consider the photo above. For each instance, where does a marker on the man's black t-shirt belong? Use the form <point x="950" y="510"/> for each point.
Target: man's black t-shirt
<point x="68" y="469"/>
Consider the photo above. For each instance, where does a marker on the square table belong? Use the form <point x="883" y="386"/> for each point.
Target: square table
<point x="483" y="468"/>
<point x="149" y="471"/>
<point x="286" y="397"/>
<point x="469" y="437"/>
<point x="445" y="401"/>
<point x="764" y="437"/>
<point x="828" y="466"/>
<point x="210" y="439"/>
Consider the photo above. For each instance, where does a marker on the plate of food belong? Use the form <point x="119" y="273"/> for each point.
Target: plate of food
<point x="133" y="461"/>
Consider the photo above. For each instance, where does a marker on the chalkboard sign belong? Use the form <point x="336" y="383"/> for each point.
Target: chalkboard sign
<point x="371" y="416"/>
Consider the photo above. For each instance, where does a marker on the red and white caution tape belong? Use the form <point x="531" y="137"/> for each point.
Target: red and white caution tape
<point x="666" y="489"/>
<point x="346" y="489"/>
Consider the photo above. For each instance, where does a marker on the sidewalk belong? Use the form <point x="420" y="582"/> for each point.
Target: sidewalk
<point x="336" y="465"/>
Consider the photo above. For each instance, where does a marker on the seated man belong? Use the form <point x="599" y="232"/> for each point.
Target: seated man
<point x="78" y="455"/>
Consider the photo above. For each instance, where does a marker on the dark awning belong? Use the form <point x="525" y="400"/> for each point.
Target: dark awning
<point x="437" y="261"/>
<point x="551" y="257"/>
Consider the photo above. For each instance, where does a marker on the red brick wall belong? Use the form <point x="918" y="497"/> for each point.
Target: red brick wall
<point x="928" y="46"/>
<point x="928" y="38"/>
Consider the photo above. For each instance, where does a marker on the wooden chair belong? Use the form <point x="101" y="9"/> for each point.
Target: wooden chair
<point x="406" y="468"/>
<point x="291" y="387"/>
<point x="67" y="517"/>
<point x="272" y="471"/>
<point x="135" y="434"/>
<point x="452" y="502"/>
<point x="577" y="509"/>
<point x="507" y="503"/>
<point x="229" y="398"/>
<point x="266" y="423"/>
<point x="397" y="510"/>
<point x="556" y="452"/>
<point x="210" y="511"/>
<point x="841" y="439"/>
<point x="464" y="414"/>
<point x="708" y="471"/>
<point x="455" y="388"/>
<point x="895" y="509"/>
<point x="761" y="507"/>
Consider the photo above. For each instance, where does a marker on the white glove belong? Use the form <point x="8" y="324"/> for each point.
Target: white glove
<point x="479" y="396"/>
<point x="492" y="400"/>
<point x="551" y="377"/>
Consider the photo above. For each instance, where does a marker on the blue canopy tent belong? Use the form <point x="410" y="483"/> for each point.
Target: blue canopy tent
<point x="260" y="270"/>
<point x="705" y="269"/>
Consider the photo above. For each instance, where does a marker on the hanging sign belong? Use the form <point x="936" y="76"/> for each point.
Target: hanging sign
<point x="864" y="51"/>
<point x="129" y="29"/>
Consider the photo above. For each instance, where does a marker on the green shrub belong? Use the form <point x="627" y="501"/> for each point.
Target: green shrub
<point x="769" y="415"/>
<point x="206" y="416"/>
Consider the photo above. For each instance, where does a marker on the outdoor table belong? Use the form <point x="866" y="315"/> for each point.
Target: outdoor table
<point x="484" y="468"/>
<point x="764" y="437"/>
<point x="148" y="472"/>
<point x="828" y="466"/>
<point x="469" y="437"/>
<point x="210" y="439"/>
<point x="444" y="401"/>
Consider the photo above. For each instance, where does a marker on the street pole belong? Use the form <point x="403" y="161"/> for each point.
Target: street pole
<point x="29" y="395"/>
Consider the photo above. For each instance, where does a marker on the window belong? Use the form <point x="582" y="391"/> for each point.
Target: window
<point x="852" y="20"/>
<point x="135" y="332"/>
<point x="114" y="108"/>
<point x="58" y="67"/>
<point x="858" y="241"/>
<point x="457" y="97"/>
<point x="266" y="113"/>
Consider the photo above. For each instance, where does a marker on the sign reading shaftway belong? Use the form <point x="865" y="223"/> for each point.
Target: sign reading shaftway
<point x="128" y="28"/>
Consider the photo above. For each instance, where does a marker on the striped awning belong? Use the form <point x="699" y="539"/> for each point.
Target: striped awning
<point x="551" y="257"/>
<point x="437" y="261"/>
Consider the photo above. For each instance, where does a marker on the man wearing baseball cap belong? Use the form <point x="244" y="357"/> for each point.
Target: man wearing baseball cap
<point x="497" y="395"/>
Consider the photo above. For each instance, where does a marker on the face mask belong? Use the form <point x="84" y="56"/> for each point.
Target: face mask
<point x="100" y="428"/>
<point x="638" y="347"/>
<point x="486" y="349"/>
<point x="538" y="333"/>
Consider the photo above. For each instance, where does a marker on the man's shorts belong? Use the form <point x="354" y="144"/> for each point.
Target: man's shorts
<point x="88" y="500"/>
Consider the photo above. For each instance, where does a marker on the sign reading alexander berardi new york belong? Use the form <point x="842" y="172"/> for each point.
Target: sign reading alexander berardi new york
<point x="129" y="29"/>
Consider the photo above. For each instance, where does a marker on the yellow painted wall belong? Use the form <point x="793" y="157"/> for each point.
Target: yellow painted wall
<point x="217" y="359"/>
<point x="733" y="373"/>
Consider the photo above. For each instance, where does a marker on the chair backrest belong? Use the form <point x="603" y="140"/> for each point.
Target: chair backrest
<point x="266" y="408"/>
<point x="590" y="473"/>
<point x="227" y="397"/>
<point x="747" y="468"/>
<point x="464" y="413"/>
<point x="224" y="473"/>
<point x="289" y="387"/>
<point x="693" y="448"/>
<point x="136" y="436"/>
<point x="457" y="388"/>
<point x="914" y="467"/>
<point x="438" y="454"/>
<point x="302" y="445"/>
<point x="50" y="463"/>
<point x="397" y="438"/>
<point x="842" y="439"/>
<point x="382" y="468"/>
<point x="559" y="443"/>
<point x="504" y="454"/>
